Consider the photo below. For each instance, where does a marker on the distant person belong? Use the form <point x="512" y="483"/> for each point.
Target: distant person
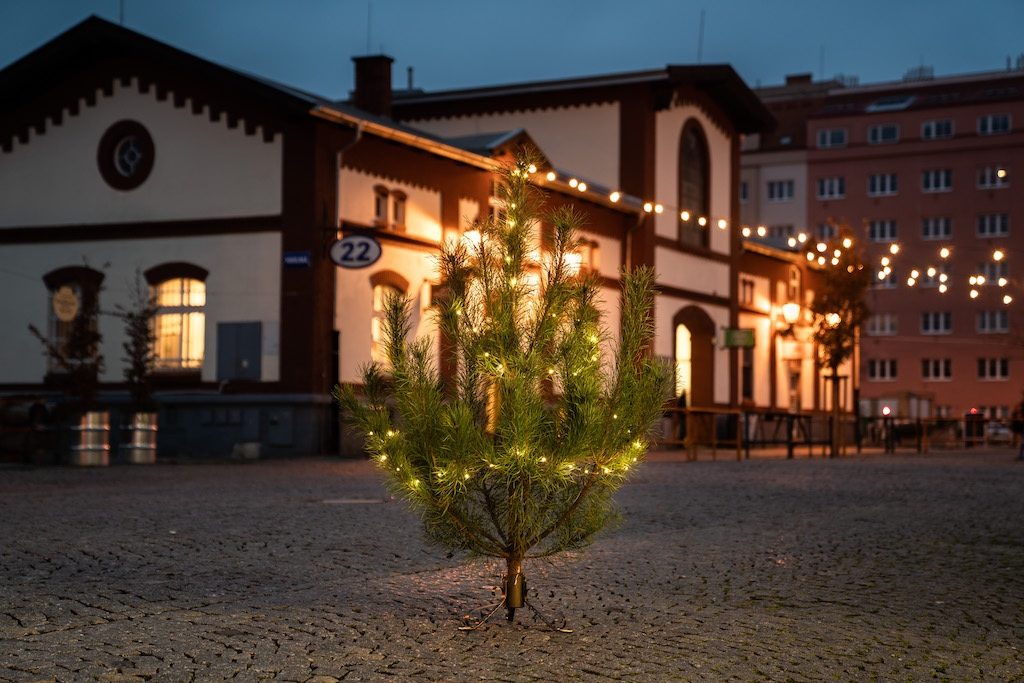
<point x="1017" y="427"/>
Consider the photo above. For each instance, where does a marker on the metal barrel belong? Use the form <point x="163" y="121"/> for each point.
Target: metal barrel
<point x="141" y="446"/>
<point x="90" y="446"/>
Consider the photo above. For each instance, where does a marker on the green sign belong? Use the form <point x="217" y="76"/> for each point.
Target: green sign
<point x="739" y="337"/>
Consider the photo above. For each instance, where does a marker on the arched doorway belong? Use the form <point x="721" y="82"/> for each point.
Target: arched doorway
<point x="693" y="334"/>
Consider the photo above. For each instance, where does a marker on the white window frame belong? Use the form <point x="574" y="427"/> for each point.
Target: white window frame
<point x="882" y="369"/>
<point x="832" y="138"/>
<point x="882" y="325"/>
<point x="929" y="129"/>
<point x="882" y="230"/>
<point x="988" y="178"/>
<point x="934" y="180"/>
<point x="992" y="225"/>
<point x="190" y="310"/>
<point x="882" y="185"/>
<point x="986" y="121"/>
<point x="937" y="369"/>
<point x="993" y="369"/>
<point x="832" y="187"/>
<point x="876" y="133"/>
<point x="936" y="322"/>
<point x="780" y="190"/>
<point x="992" y="321"/>
<point x="936" y="228"/>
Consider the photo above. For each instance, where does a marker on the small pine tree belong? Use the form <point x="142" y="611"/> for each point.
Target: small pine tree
<point x="840" y="309"/>
<point x="518" y="455"/>
<point x="139" y="343"/>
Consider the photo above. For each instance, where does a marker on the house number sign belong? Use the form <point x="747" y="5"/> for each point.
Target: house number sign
<point x="355" y="251"/>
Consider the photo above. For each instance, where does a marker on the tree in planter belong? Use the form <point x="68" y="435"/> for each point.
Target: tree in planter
<point x="519" y="455"/>
<point x="840" y="310"/>
<point x="139" y="343"/>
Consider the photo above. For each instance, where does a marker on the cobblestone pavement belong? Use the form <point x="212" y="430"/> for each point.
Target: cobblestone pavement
<point x="894" y="568"/>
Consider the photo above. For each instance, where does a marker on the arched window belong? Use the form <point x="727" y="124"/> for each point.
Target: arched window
<point x="694" y="185"/>
<point x="385" y="284"/>
<point x="180" y="322"/>
<point x="73" y="307"/>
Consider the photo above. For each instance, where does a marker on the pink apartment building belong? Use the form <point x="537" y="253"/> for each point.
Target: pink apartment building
<point x="930" y="174"/>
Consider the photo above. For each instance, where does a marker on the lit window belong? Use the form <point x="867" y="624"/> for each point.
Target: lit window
<point x="180" y="324"/>
<point x="381" y="294"/>
<point x="73" y="308"/>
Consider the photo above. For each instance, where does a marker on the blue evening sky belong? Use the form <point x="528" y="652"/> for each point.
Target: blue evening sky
<point x="466" y="43"/>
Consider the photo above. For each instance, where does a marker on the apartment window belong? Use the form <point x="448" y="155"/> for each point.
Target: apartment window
<point x="832" y="188"/>
<point x="883" y="133"/>
<point x="781" y="231"/>
<point x="993" y="177"/>
<point x="882" y="230"/>
<point x="398" y="210"/>
<point x="993" y="322"/>
<point x="933" y="276"/>
<point x="935" y="369"/>
<point x="826" y="231"/>
<point x="936" y="322"/>
<point x="380" y="205"/>
<point x="746" y="291"/>
<point x="993" y="369"/>
<point x="831" y="137"/>
<point x="993" y="124"/>
<point x="993" y="225"/>
<point x="885" y="281"/>
<point x="882" y="369"/>
<point x="993" y="270"/>
<point x="180" y="323"/>
<point x="937" y="129"/>
<point x="744" y="192"/>
<point x="780" y="190"/>
<point x="936" y="228"/>
<point x="937" y="180"/>
<point x="881" y="184"/>
<point x="694" y="183"/>
<point x="882" y="325"/>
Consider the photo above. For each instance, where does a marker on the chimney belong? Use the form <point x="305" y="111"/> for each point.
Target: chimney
<point x="373" y="84"/>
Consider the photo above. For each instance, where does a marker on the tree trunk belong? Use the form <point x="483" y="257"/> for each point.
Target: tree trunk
<point x="834" y="446"/>
<point x="515" y="586"/>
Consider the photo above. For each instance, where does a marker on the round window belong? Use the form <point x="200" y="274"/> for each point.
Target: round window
<point x="125" y="155"/>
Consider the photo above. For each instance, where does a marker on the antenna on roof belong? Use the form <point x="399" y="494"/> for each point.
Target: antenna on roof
<point x="700" y="38"/>
<point x="369" y="24"/>
<point x="821" y="63"/>
<point x="120" y="12"/>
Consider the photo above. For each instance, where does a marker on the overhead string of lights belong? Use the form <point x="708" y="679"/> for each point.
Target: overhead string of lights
<point x="816" y="253"/>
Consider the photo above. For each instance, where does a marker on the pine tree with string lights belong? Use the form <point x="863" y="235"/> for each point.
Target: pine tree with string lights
<point x="519" y="454"/>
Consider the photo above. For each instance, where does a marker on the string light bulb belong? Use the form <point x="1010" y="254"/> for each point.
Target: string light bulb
<point x="942" y="289"/>
<point x="944" y="252"/>
<point x="821" y="246"/>
<point x="914" y="274"/>
<point x="931" y="271"/>
<point x="685" y="215"/>
<point x="573" y="182"/>
<point x="532" y="168"/>
<point x="745" y="231"/>
<point x="551" y="176"/>
<point x="911" y="281"/>
<point x="885" y="261"/>
<point x="894" y="248"/>
<point x="974" y="294"/>
<point x="791" y="242"/>
<point x="615" y="196"/>
<point x="761" y="231"/>
<point x="1007" y="299"/>
<point x="648" y="207"/>
<point x="702" y="221"/>
<point x="847" y="243"/>
<point x="722" y="224"/>
<point x="658" y="208"/>
<point x="1001" y="282"/>
<point x="802" y="237"/>
<point x="582" y="187"/>
<point x="998" y="255"/>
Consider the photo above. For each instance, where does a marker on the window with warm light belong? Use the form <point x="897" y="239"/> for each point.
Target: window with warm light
<point x="180" y="324"/>
<point x="381" y="293"/>
<point x="684" y="360"/>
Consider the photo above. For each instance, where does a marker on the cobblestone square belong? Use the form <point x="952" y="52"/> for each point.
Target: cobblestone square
<point x="887" y="568"/>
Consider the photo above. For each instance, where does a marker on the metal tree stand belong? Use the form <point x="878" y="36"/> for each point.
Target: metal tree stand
<point x="513" y="597"/>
